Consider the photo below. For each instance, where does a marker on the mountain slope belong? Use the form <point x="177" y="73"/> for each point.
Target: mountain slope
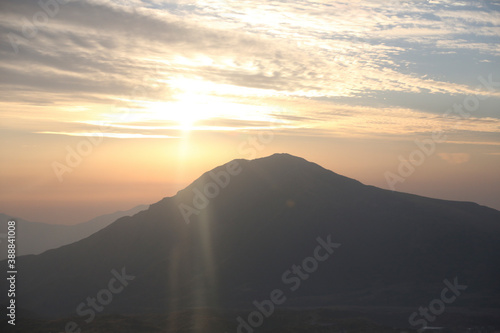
<point x="396" y="249"/>
<point x="35" y="237"/>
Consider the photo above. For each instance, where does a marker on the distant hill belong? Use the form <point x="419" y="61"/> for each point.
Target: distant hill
<point x="249" y="229"/>
<point x="35" y="237"/>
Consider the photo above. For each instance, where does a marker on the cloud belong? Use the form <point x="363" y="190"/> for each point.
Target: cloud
<point x="455" y="158"/>
<point x="110" y="56"/>
<point x="114" y="135"/>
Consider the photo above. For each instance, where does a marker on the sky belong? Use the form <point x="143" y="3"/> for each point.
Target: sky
<point x="108" y="104"/>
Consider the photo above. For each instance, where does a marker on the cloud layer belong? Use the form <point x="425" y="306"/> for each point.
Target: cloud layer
<point x="324" y="68"/>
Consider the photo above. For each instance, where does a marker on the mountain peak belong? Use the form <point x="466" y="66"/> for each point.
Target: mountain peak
<point x="278" y="168"/>
<point x="234" y="231"/>
<point x="284" y="156"/>
<point x="290" y="180"/>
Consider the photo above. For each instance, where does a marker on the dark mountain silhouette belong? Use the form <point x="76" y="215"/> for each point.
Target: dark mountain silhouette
<point x="396" y="248"/>
<point x="37" y="237"/>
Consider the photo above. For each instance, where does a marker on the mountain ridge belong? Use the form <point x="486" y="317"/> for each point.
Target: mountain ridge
<point x="396" y="248"/>
<point x="38" y="237"/>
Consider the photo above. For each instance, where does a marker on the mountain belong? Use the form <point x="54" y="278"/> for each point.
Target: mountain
<point x="35" y="237"/>
<point x="277" y="228"/>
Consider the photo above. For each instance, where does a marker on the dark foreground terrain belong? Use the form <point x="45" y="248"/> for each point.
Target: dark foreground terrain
<point x="343" y="320"/>
<point x="279" y="228"/>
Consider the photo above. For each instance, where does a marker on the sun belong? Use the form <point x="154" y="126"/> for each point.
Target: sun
<point x="185" y="112"/>
<point x="199" y="101"/>
<point x="188" y="111"/>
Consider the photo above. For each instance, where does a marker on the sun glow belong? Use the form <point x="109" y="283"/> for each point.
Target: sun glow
<point x="198" y="105"/>
<point x="186" y="111"/>
<point x="191" y="111"/>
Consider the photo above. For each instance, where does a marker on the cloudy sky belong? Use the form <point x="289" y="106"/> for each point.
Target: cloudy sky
<point x="109" y="104"/>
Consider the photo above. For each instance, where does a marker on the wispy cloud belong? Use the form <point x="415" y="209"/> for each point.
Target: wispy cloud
<point x="455" y="158"/>
<point x="124" y="59"/>
<point x="114" y="135"/>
